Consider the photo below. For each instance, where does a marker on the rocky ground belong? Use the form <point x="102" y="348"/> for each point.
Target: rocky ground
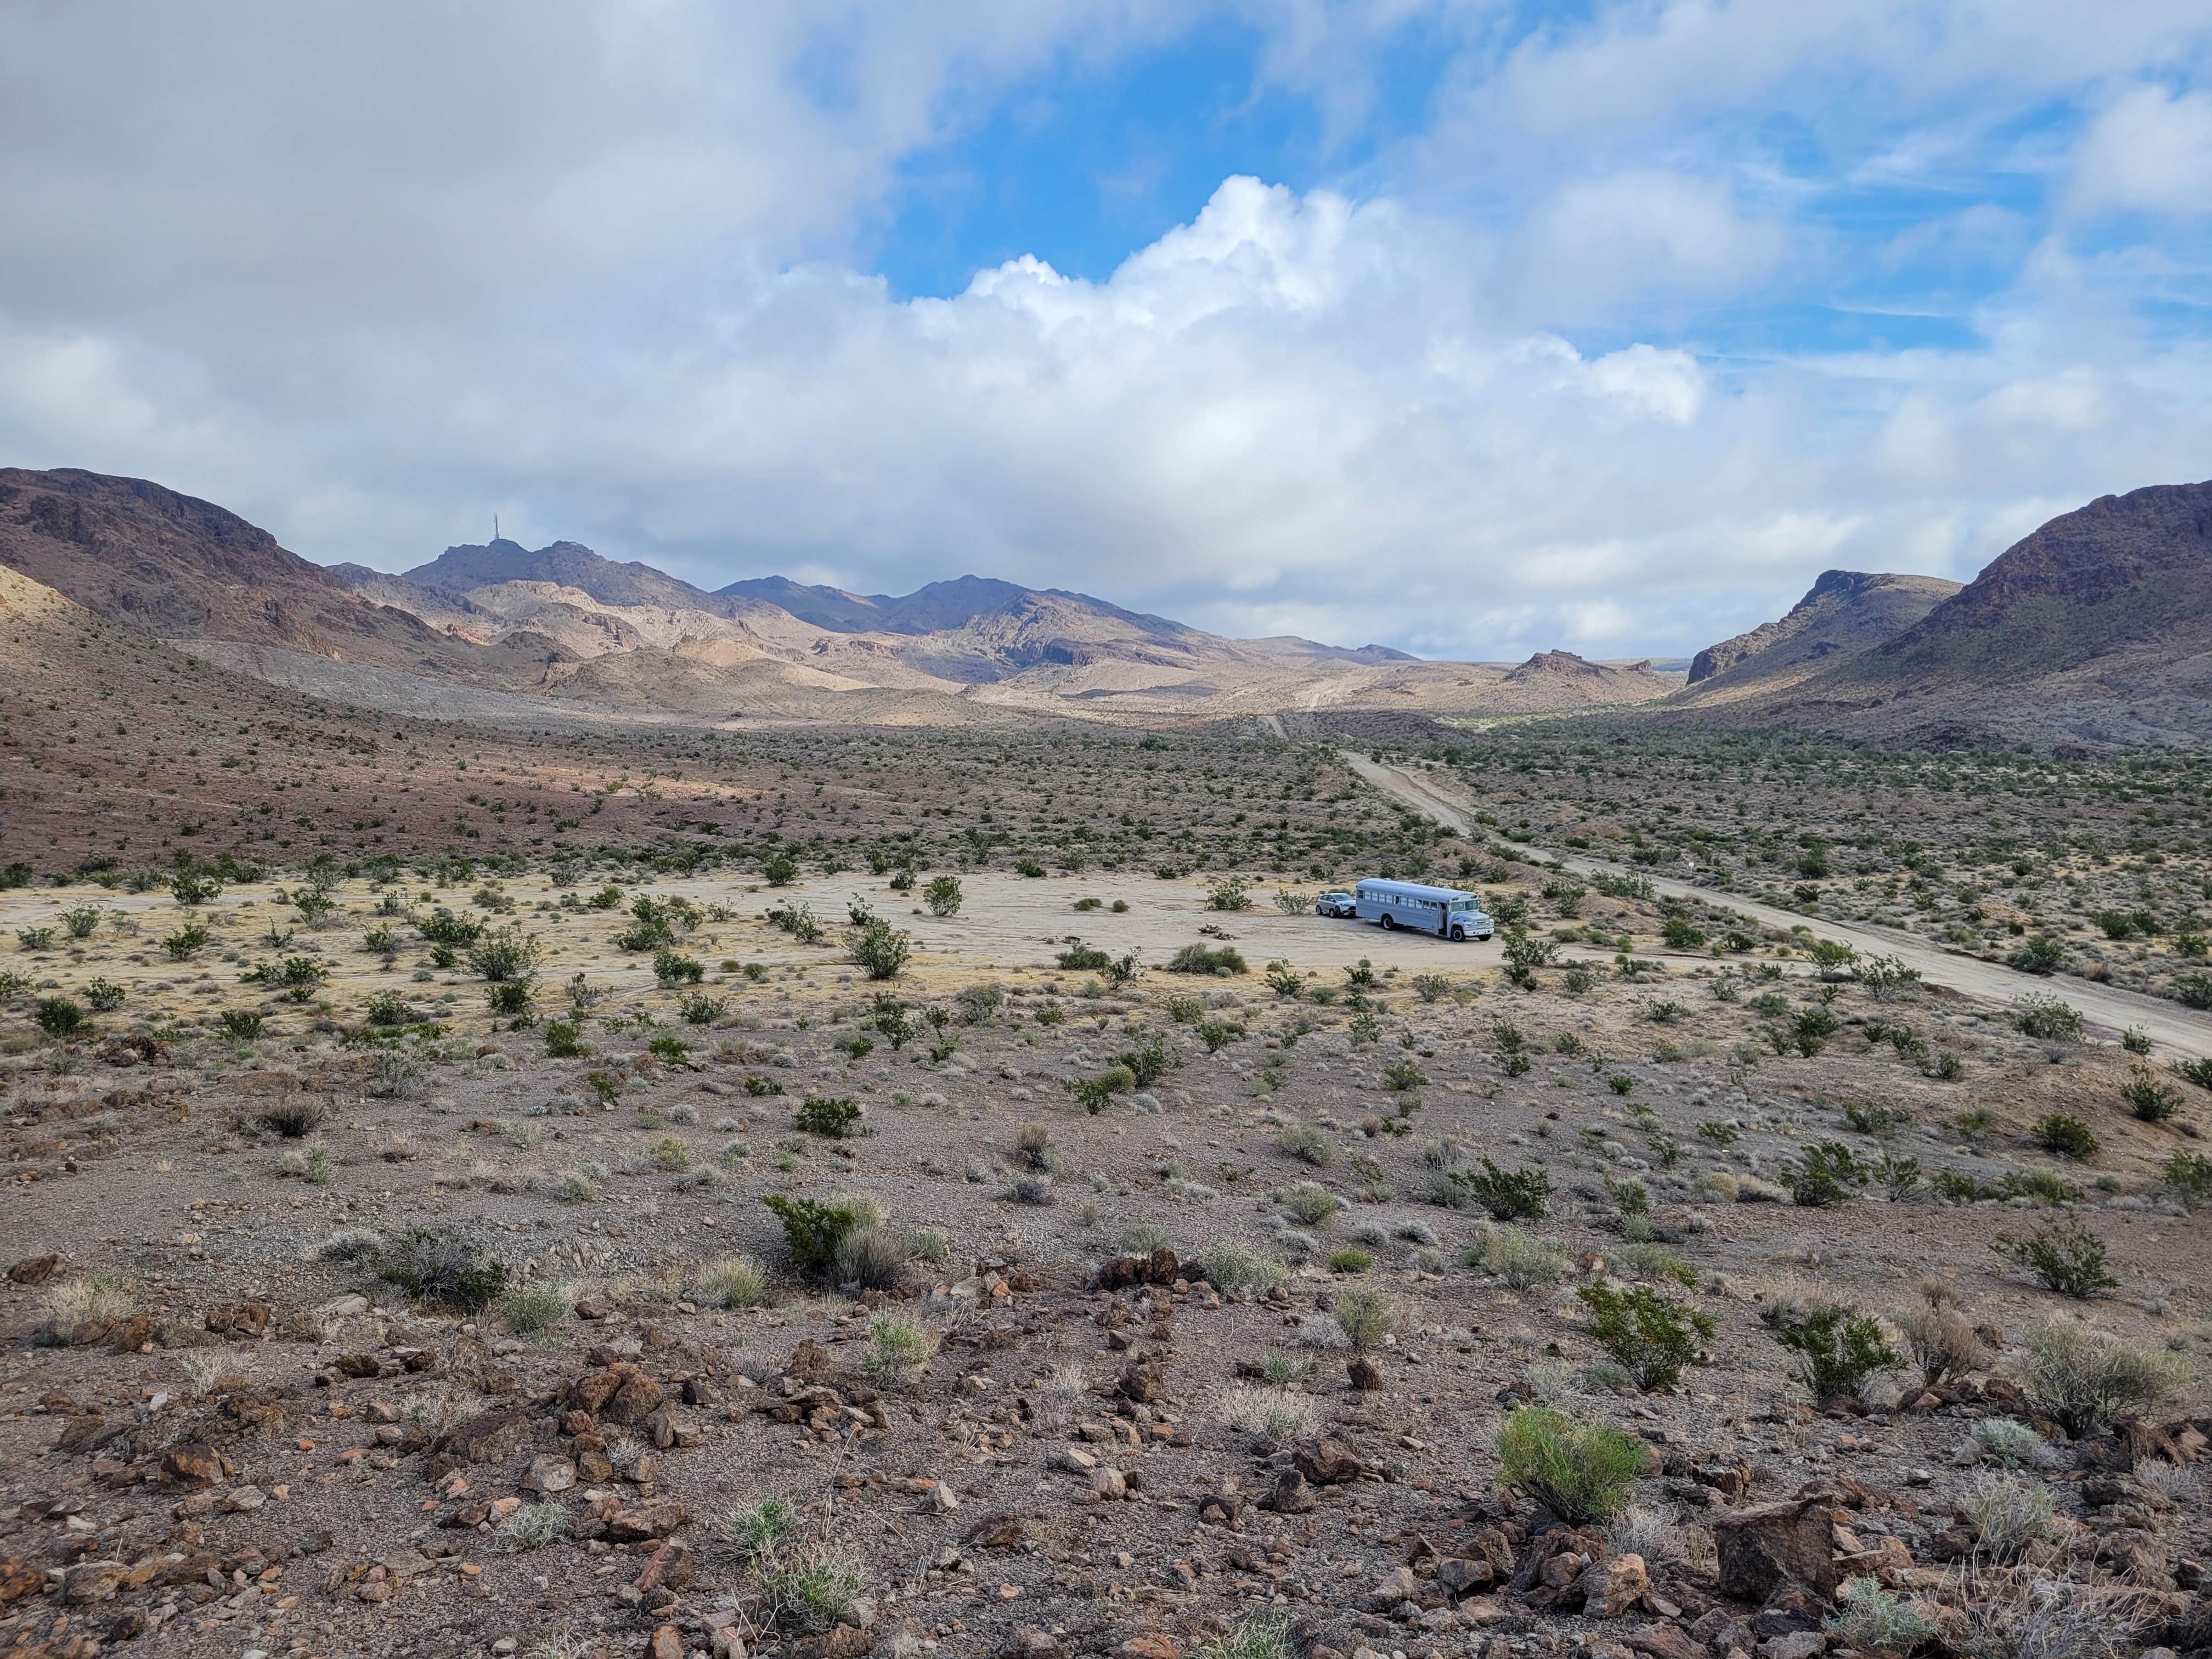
<point x="346" y="1338"/>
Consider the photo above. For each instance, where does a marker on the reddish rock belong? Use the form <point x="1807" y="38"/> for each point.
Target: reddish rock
<point x="491" y="1436"/>
<point x="246" y="1320"/>
<point x="19" y="1579"/>
<point x="647" y="1520"/>
<point x="36" y="1269"/>
<point x="357" y="1366"/>
<point x="1328" y="1462"/>
<point x="1141" y="1381"/>
<point x="1613" y="1586"/>
<point x="665" y="1643"/>
<point x="1663" y="1641"/>
<point x="1160" y="1267"/>
<point x="1366" y="1375"/>
<point x="1769" y="1545"/>
<point x="192" y="1464"/>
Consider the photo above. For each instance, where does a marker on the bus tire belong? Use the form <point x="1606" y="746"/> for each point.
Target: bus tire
<point x="1388" y="924"/>
<point x="1459" y="936"/>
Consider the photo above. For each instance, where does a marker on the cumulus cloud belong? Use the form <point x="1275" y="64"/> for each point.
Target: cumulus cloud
<point x="599" y="274"/>
<point x="2151" y="150"/>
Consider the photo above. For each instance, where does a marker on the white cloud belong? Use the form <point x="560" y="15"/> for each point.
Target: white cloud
<point x="2151" y="150"/>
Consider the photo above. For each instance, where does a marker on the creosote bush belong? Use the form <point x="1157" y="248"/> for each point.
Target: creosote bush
<point x="1653" y="1335"/>
<point x="1579" y="1470"/>
<point x="1838" y="1350"/>
<point x="2066" y="1255"/>
<point x="444" y="1270"/>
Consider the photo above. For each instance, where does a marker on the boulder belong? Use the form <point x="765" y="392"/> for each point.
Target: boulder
<point x="192" y="1464"/>
<point x="1768" y="1545"/>
<point x="1141" y="1381"/>
<point x="491" y="1436"/>
<point x="1327" y="1462"/>
<point x="646" y="1521"/>
<point x="1613" y="1586"/>
<point x="94" y="1581"/>
<point x="35" y="1269"/>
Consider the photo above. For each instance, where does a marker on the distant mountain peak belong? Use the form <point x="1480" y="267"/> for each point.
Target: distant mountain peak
<point x="1845" y="612"/>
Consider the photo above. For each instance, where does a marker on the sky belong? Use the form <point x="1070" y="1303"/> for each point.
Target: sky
<point x="1464" y="326"/>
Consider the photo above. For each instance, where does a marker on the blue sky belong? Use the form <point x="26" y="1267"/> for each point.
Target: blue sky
<point x="1471" y="327"/>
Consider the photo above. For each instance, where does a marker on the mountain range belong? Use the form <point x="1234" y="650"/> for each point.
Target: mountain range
<point x="2096" y="629"/>
<point x="560" y="630"/>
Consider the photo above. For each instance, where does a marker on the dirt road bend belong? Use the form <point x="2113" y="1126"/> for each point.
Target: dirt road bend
<point x="2170" y="1027"/>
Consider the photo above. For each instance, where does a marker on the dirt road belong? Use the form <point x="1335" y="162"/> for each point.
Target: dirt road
<point x="2170" y="1027"/>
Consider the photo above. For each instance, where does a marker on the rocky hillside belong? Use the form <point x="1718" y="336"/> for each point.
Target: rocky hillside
<point x="2095" y="630"/>
<point x="1847" y="611"/>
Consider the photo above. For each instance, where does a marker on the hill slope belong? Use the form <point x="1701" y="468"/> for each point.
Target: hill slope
<point x="1846" y="611"/>
<point x="2095" y="630"/>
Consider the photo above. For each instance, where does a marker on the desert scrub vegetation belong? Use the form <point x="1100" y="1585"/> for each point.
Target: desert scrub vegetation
<point x="1653" y="1336"/>
<point x="731" y="1281"/>
<point x="1269" y="1412"/>
<point x="1581" y="1471"/>
<point x="2065" y="1255"/>
<point x="443" y="1270"/>
<point x="1231" y="1265"/>
<point x="2082" y="1378"/>
<point x="1838" y="1350"/>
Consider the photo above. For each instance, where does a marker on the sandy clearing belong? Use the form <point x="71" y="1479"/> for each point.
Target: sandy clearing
<point x="2170" y="1026"/>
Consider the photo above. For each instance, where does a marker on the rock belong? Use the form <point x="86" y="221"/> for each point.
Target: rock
<point x="1613" y="1586"/>
<point x="941" y="1499"/>
<point x="1459" y="1574"/>
<point x="491" y="1436"/>
<point x="94" y="1581"/>
<point x="1160" y="1267"/>
<point x="1768" y="1545"/>
<point x="243" y="1500"/>
<point x="1663" y="1641"/>
<point x="244" y="1321"/>
<point x="1150" y="1646"/>
<point x="349" y="1306"/>
<point x="646" y="1521"/>
<point x="19" y="1578"/>
<point x="1803" y="1644"/>
<point x="1600" y="1647"/>
<point x="1392" y="1589"/>
<point x="1073" y="1459"/>
<point x="1030" y="1642"/>
<point x="1885" y="1561"/>
<point x="1142" y="1382"/>
<point x="1366" y="1375"/>
<point x="357" y="1366"/>
<point x="1293" y="1494"/>
<point x="192" y="1464"/>
<point x="549" y="1473"/>
<point x="1000" y="1530"/>
<point x="665" y="1643"/>
<point x="1108" y="1486"/>
<point x="36" y="1269"/>
<point x="1328" y="1462"/>
<point x="670" y="1567"/>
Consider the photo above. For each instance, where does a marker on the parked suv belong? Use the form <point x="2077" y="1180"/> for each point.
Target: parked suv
<point x="1341" y="905"/>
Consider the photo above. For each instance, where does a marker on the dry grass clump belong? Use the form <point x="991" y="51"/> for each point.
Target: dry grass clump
<point x="1268" y="1414"/>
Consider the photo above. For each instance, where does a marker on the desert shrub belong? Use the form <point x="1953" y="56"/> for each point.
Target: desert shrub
<point x="1942" y="1344"/>
<point x="1350" y="1260"/>
<point x="1274" y="1414"/>
<point x="2009" y="1518"/>
<point x="1404" y="1075"/>
<point x="2063" y="1136"/>
<point x="2048" y="1019"/>
<point x="575" y="1187"/>
<point x="880" y="950"/>
<point x="1522" y="1260"/>
<point x="1230" y="893"/>
<point x="1080" y="958"/>
<point x="1307" y="1144"/>
<point x="1838" y="1350"/>
<point x="533" y="1307"/>
<point x="510" y="999"/>
<point x="1185" y="1011"/>
<point x="1311" y="1203"/>
<point x="671" y="967"/>
<point x="507" y="955"/>
<point x="670" y="1152"/>
<point x="1285" y="980"/>
<point x="2149" y="1099"/>
<point x="898" y="1347"/>
<point x="2188" y="1176"/>
<point x="1028" y="1189"/>
<point x="59" y="1017"/>
<point x="1368" y="1316"/>
<point x="442" y="926"/>
<point x="2040" y="954"/>
<point x="564" y="1040"/>
<point x="2066" y="1255"/>
<point x="1826" y="1174"/>
<point x="533" y="1526"/>
<point x="1653" y="1335"/>
<point x="1657" y="1261"/>
<point x="241" y="1025"/>
<point x="1149" y="1062"/>
<point x="2009" y="1443"/>
<point x="186" y="942"/>
<point x="1231" y="1265"/>
<point x="942" y="896"/>
<point x="96" y="1298"/>
<point x="2081" y="1379"/>
<point x="444" y="1270"/>
<point x="1222" y="959"/>
<point x="1218" y="1034"/>
<point x="293" y="1119"/>
<point x="1033" y="1147"/>
<point x="812" y="1229"/>
<point x="1579" y="1470"/>
<point x="1519" y="1195"/>
<point x="1898" y="1178"/>
<point x="1871" y="1619"/>
<point x="105" y="996"/>
<point x="831" y="1119"/>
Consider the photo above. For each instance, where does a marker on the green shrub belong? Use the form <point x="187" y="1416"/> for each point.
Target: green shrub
<point x="240" y="1025"/>
<point x="1201" y="959"/>
<point x="1311" y="1203"/>
<point x="942" y="896"/>
<point x="507" y="955"/>
<point x="1826" y="1174"/>
<point x="2041" y="954"/>
<point x="871" y="1257"/>
<point x="105" y="996"/>
<point x="1838" y="1350"/>
<point x="672" y="967"/>
<point x="2199" y="1071"/>
<point x="2188" y="1175"/>
<point x="444" y="1270"/>
<point x="1307" y="1144"/>
<point x="186" y="942"/>
<point x="1403" y="1075"/>
<point x="1080" y="958"/>
<point x="1367" y="1315"/>
<point x="880" y="950"/>
<point x="2066" y="1255"/>
<point x="2063" y="1136"/>
<point x="1285" y="980"/>
<point x="2150" y="1100"/>
<point x="898" y="1347"/>
<point x="1351" y="1259"/>
<point x="1149" y="1062"/>
<point x="1521" y="1260"/>
<point x="1581" y="1471"/>
<point x="1218" y="1034"/>
<point x="1231" y="1265"/>
<point x="59" y="1017"/>
<point x="731" y="1281"/>
<point x="1871" y="1619"/>
<point x="1519" y="1195"/>
<point x="2082" y="1379"/>
<point x="2047" y="1018"/>
<point x="1653" y="1335"/>
<point x="812" y="1229"/>
<point x="831" y="1118"/>
<point x="533" y="1307"/>
<point x="1230" y="893"/>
